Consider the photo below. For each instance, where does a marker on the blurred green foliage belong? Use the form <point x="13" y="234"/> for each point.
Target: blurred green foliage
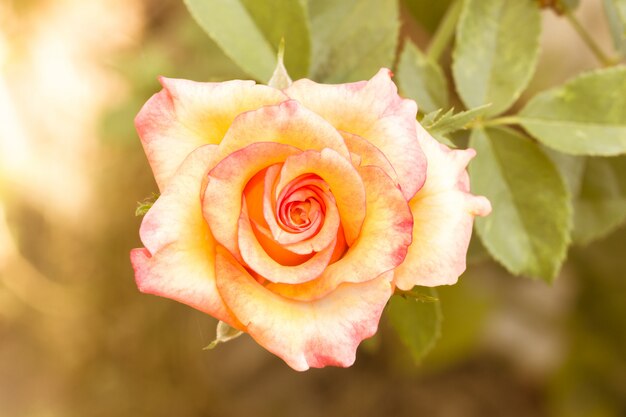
<point x="598" y="189"/>
<point x="419" y="337"/>
<point x="616" y="15"/>
<point x="428" y="13"/>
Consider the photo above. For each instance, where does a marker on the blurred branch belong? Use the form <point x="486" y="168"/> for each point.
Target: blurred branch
<point x="445" y="32"/>
<point x="498" y="121"/>
<point x="606" y="60"/>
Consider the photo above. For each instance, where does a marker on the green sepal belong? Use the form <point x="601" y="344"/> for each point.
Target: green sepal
<point x="224" y="333"/>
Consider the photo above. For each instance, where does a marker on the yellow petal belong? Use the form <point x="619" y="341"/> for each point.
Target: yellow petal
<point x="187" y="114"/>
<point x="288" y="123"/>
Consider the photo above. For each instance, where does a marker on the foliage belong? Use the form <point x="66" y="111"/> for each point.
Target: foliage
<point x="440" y="126"/>
<point x="543" y="198"/>
<point x="144" y="206"/>
<point x="530" y="203"/>
<point x="586" y="116"/>
<point x="256" y="51"/>
<point x="417" y="318"/>
<point x="422" y="79"/>
<point x="351" y="39"/>
<point x="496" y="51"/>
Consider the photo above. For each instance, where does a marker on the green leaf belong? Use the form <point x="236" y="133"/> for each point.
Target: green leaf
<point x="615" y="11"/>
<point x="421" y="79"/>
<point x="451" y="122"/>
<point x="352" y="39"/>
<point x="249" y="32"/>
<point x="528" y="229"/>
<point x="496" y="51"/>
<point x="429" y="118"/>
<point x="598" y="189"/>
<point x="224" y="333"/>
<point x="144" y="206"/>
<point x="428" y="13"/>
<point x="586" y="116"/>
<point x="476" y="252"/>
<point x="418" y="323"/>
<point x="443" y="127"/>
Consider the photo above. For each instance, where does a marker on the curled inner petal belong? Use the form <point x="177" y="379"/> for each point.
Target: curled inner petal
<point x="221" y="203"/>
<point x="320" y="226"/>
<point x="299" y="207"/>
<point x="270" y="267"/>
<point x="343" y="181"/>
<point x="381" y="247"/>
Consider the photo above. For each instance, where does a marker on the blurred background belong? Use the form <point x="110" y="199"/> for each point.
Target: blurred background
<point x="78" y="339"/>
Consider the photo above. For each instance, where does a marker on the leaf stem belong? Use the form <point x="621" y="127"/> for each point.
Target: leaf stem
<point x="499" y="121"/>
<point x="586" y="37"/>
<point x="445" y="32"/>
<point x="417" y="296"/>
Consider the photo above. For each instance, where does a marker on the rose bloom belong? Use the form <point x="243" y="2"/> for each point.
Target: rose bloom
<point x="293" y="215"/>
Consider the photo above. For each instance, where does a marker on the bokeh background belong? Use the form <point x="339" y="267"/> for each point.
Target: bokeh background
<point x="78" y="339"/>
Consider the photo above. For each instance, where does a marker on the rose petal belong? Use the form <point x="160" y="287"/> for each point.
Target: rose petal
<point x="374" y="111"/>
<point x="382" y="245"/>
<point x="253" y="194"/>
<point x="256" y="257"/>
<point x="304" y="334"/>
<point x="288" y="123"/>
<point x="342" y="178"/>
<point x="443" y="212"/>
<point x="226" y="183"/>
<point x="179" y="259"/>
<point x="301" y="243"/>
<point x="187" y="114"/>
<point x="368" y="154"/>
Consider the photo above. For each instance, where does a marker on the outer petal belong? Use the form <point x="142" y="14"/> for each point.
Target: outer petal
<point x="443" y="213"/>
<point x="187" y="114"/>
<point x="288" y="123"/>
<point x="304" y="334"/>
<point x="382" y="246"/>
<point x="179" y="259"/>
<point x="374" y="111"/>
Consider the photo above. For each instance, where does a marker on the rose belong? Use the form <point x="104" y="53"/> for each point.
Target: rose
<point x="293" y="215"/>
